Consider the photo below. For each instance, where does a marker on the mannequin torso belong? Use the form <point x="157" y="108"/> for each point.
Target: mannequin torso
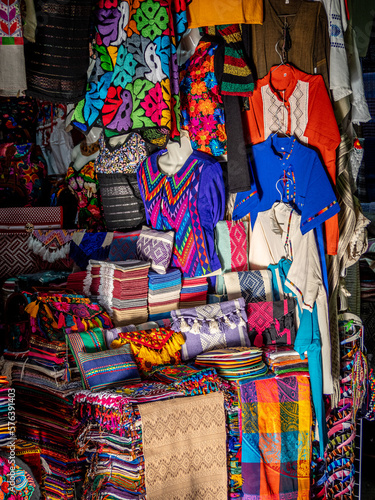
<point x="170" y="162"/>
<point x="83" y="154"/>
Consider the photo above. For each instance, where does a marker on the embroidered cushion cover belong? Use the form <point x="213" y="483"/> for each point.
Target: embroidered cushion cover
<point x="212" y="326"/>
<point x="157" y="247"/>
<point x="105" y="369"/>
<point x="90" y="341"/>
<point x="272" y="322"/>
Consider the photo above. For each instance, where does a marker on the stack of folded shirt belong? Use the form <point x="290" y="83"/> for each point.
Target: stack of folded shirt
<point x="7" y="414"/>
<point x="284" y="361"/>
<point x="193" y="292"/>
<point x="121" y="288"/>
<point x="234" y="363"/>
<point x="75" y="281"/>
<point x="163" y="293"/>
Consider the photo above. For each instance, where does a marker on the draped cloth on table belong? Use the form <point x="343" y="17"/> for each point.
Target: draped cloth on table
<point x="184" y="445"/>
<point x="275" y="434"/>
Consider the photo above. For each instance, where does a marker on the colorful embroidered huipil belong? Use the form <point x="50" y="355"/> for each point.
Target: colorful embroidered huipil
<point x="191" y="202"/>
<point x="135" y="82"/>
<point x="202" y="107"/>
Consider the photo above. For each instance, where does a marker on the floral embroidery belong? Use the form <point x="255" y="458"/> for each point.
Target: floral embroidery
<point x="85" y="187"/>
<point x="201" y="105"/>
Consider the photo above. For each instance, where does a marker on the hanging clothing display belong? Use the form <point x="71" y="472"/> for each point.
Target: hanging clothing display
<point x="57" y="62"/>
<point x="135" y="83"/>
<point x="300" y="27"/>
<point x="84" y="185"/>
<point x="294" y="259"/>
<point x="292" y="102"/>
<point x="12" y="60"/>
<point x="202" y="106"/>
<point x="191" y="202"/>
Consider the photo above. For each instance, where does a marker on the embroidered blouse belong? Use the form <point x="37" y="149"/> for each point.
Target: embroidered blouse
<point x="201" y="104"/>
<point x="191" y="202"/>
<point x="291" y="101"/>
<point x="283" y="169"/>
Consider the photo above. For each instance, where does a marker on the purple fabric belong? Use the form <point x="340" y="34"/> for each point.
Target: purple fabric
<point x="213" y="326"/>
<point x="157" y="247"/>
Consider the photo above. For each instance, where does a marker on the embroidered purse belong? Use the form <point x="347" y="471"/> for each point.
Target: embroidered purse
<point x="272" y="322"/>
<point x="212" y="326"/>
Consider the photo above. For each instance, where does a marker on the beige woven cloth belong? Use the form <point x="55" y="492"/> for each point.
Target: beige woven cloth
<point x="184" y="445"/>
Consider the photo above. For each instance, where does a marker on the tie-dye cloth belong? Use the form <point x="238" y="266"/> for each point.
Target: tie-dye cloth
<point x="275" y="433"/>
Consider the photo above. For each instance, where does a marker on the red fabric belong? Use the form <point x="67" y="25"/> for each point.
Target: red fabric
<point x="321" y="130"/>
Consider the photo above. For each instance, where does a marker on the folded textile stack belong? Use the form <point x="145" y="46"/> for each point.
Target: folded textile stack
<point x="44" y="412"/>
<point x="111" y="439"/>
<point x="193" y="292"/>
<point x="284" y="361"/>
<point x="121" y="288"/>
<point x="163" y="293"/>
<point x="75" y="281"/>
<point x="7" y="417"/>
<point x="234" y="363"/>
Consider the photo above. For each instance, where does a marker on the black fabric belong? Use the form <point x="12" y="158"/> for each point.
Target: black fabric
<point x="238" y="166"/>
<point x="56" y="64"/>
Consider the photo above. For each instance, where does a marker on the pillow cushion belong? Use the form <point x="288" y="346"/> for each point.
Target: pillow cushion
<point x="106" y="369"/>
<point x="231" y="243"/>
<point x="272" y="322"/>
<point x="124" y="246"/>
<point x="212" y="326"/>
<point x="157" y="247"/>
<point x="90" y="341"/>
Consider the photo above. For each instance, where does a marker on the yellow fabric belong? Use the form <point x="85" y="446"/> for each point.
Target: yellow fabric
<point x="202" y="13"/>
<point x="155" y="357"/>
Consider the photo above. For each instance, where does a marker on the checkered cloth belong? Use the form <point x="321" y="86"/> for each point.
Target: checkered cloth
<point x="275" y="434"/>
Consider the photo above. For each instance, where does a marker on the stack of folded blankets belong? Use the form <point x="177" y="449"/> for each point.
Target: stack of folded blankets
<point x="111" y="439"/>
<point x="284" y="361"/>
<point x="234" y="363"/>
<point x="7" y="432"/>
<point x="193" y="292"/>
<point x="44" y="406"/>
<point x="75" y="281"/>
<point x="163" y="293"/>
<point x="121" y="288"/>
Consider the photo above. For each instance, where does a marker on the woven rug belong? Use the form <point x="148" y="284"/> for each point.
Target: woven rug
<point x="184" y="446"/>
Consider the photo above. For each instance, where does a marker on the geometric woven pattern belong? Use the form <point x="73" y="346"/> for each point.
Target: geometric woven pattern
<point x="155" y="246"/>
<point x="252" y="286"/>
<point x="184" y="445"/>
<point x="181" y="203"/>
<point x="124" y="246"/>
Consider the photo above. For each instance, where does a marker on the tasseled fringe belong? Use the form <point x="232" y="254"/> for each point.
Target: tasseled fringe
<point x="154" y="356"/>
<point x="45" y="253"/>
<point x="87" y="282"/>
<point x="209" y="325"/>
<point x="335" y="397"/>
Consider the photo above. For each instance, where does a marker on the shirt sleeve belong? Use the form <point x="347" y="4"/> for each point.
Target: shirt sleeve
<point x="213" y="195"/>
<point x="317" y="200"/>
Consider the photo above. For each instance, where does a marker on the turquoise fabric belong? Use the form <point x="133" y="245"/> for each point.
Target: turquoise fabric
<point x="308" y="339"/>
